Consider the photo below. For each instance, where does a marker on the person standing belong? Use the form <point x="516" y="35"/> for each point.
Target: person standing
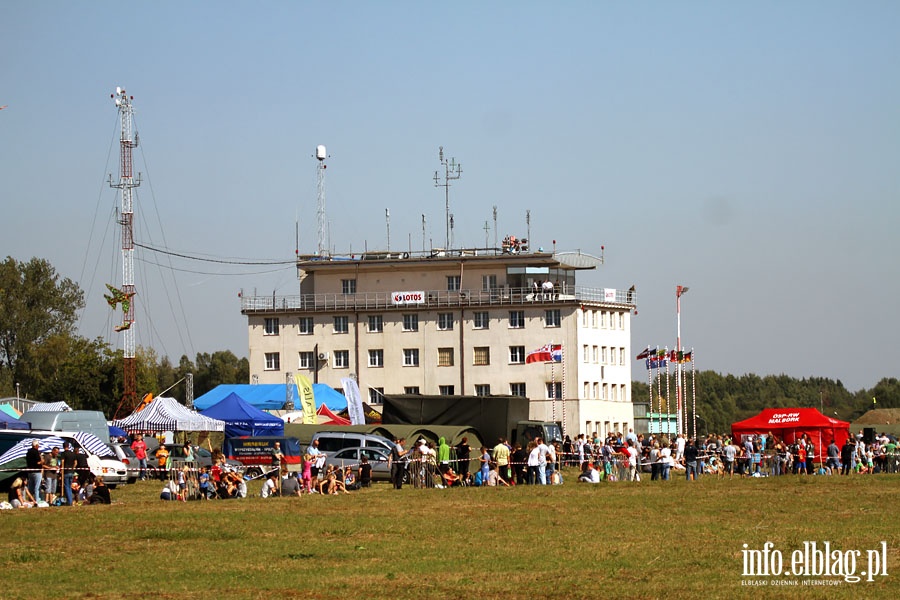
<point x="397" y="463"/>
<point x="462" y="458"/>
<point x="543" y="454"/>
<point x="500" y="454"/>
<point x="162" y="461"/>
<point x="139" y="446"/>
<point x="691" y="460"/>
<point x="315" y="456"/>
<point x="68" y="471"/>
<point x="277" y="457"/>
<point x="632" y="454"/>
<point x="51" y="474"/>
<point x="35" y="467"/>
<point x="847" y="456"/>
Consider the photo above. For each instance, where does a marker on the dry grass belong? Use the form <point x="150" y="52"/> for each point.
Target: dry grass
<point x="645" y="540"/>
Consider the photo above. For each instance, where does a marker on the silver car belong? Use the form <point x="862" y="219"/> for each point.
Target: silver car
<point x="350" y="457"/>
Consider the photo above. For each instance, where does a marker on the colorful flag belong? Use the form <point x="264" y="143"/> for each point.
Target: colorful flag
<point x="645" y="353"/>
<point x="546" y="353"/>
<point x="656" y="363"/>
<point x="687" y="356"/>
<point x="307" y="400"/>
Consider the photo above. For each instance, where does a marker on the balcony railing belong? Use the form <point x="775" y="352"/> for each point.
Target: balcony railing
<point x="434" y="299"/>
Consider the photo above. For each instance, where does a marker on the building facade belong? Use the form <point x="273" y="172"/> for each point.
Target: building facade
<point x="453" y="325"/>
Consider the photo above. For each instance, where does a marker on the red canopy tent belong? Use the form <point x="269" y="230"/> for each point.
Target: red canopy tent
<point x="326" y="417"/>
<point x="789" y="424"/>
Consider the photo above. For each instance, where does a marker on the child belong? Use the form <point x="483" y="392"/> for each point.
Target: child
<point x="204" y="484"/>
<point x="182" y="484"/>
<point x="306" y="464"/>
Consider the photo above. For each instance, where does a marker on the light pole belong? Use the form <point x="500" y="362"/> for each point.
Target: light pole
<point x="679" y="291"/>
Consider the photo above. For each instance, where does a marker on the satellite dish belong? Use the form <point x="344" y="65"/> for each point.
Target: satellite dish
<point x="321" y="154"/>
<point x="118" y="90"/>
<point x="118" y="102"/>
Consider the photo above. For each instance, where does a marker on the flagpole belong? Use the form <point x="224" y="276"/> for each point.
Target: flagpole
<point x="679" y="291"/>
<point x="694" y="391"/>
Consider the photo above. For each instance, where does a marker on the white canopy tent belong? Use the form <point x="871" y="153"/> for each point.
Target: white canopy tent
<point x="167" y="414"/>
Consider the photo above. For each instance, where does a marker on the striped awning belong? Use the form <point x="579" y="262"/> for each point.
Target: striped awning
<point x="167" y="414"/>
<point x="90" y="442"/>
<point x="49" y="407"/>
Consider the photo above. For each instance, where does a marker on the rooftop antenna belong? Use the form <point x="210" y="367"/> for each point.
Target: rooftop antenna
<point x="321" y="155"/>
<point x="452" y="170"/>
<point x="450" y="245"/>
<point x="387" y="218"/>
<point x="495" y="226"/>
<point x="528" y="227"/>
<point x="128" y="141"/>
<point x="423" y="233"/>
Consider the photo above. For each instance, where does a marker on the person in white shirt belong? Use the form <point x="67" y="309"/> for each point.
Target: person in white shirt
<point x="270" y="488"/>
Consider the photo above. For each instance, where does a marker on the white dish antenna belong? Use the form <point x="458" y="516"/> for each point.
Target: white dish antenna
<point x="321" y="153"/>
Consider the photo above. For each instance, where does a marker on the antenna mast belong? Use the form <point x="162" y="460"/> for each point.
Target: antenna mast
<point x="321" y="155"/>
<point x="452" y="170"/>
<point x="128" y="141"/>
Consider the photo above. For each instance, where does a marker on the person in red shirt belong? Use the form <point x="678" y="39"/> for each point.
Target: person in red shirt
<point x="140" y="452"/>
<point x="801" y="459"/>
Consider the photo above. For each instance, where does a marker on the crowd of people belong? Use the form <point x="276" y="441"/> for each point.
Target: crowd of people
<point x="56" y="478"/>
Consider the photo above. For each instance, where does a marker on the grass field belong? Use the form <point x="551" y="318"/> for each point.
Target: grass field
<point x="643" y="540"/>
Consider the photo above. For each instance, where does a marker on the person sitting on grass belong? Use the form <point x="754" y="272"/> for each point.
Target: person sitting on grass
<point x="494" y="479"/>
<point x="270" y="488"/>
<point x="588" y="473"/>
<point x="19" y="495"/>
<point x="350" y="482"/>
<point x="451" y="479"/>
<point x="100" y="494"/>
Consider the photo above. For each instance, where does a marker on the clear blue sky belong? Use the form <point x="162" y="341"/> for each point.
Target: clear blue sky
<point x="750" y="151"/>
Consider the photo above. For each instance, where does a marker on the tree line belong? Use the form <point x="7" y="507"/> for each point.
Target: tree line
<point x="724" y="399"/>
<point x="43" y="358"/>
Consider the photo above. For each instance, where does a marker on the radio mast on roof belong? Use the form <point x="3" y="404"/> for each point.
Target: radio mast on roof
<point x="128" y="141"/>
<point x="321" y="155"/>
<point x="452" y="170"/>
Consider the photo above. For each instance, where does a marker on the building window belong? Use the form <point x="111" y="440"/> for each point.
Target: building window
<point x="341" y="359"/>
<point x="411" y="322"/>
<point x="587" y="390"/>
<point x="517" y="389"/>
<point x="603" y="356"/>
<point x="516" y="355"/>
<point x="605" y="390"/>
<point x="552" y="318"/>
<point x="305" y="326"/>
<point x="446" y="390"/>
<point x="516" y="319"/>
<point x="596" y="390"/>
<point x="595" y="354"/>
<point x="410" y="357"/>
<point x="307" y="361"/>
<point x="483" y="389"/>
<point x="584" y="318"/>
<point x="482" y="356"/>
<point x="621" y="320"/>
<point x="348" y="286"/>
<point x="622" y="356"/>
<point x="445" y="357"/>
<point x="445" y="321"/>
<point x="481" y="320"/>
<point x="411" y="389"/>
<point x="376" y="358"/>
<point x="376" y="324"/>
<point x="586" y="353"/>
<point x="273" y="361"/>
<point x="488" y="282"/>
<point x="376" y="395"/>
<point x="452" y="283"/>
<point x="271" y="326"/>
<point x="554" y="390"/>
<point x="341" y="324"/>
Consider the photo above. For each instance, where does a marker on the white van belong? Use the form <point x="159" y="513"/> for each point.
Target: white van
<point x="89" y="421"/>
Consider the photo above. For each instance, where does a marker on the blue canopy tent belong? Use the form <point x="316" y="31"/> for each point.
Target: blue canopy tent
<point x="270" y="396"/>
<point x="8" y="422"/>
<point x="243" y="419"/>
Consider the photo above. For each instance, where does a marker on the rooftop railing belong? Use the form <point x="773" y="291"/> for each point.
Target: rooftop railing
<point x="435" y="299"/>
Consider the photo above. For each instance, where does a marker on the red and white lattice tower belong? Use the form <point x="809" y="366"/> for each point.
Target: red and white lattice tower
<point x="128" y="140"/>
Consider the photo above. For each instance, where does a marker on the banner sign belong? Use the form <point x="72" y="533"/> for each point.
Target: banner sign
<point x="402" y="298"/>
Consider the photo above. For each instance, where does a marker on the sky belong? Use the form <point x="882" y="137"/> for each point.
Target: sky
<point x="747" y="150"/>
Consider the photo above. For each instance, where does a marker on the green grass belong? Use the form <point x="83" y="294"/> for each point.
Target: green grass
<point x="646" y="540"/>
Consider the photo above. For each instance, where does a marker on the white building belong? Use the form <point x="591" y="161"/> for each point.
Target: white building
<point x="454" y="323"/>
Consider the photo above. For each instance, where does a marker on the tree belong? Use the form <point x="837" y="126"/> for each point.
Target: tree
<point x="217" y="368"/>
<point x="35" y="305"/>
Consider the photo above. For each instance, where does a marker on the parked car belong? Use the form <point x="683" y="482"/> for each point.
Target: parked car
<point x="333" y="441"/>
<point x="352" y="457"/>
<point x="125" y="454"/>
